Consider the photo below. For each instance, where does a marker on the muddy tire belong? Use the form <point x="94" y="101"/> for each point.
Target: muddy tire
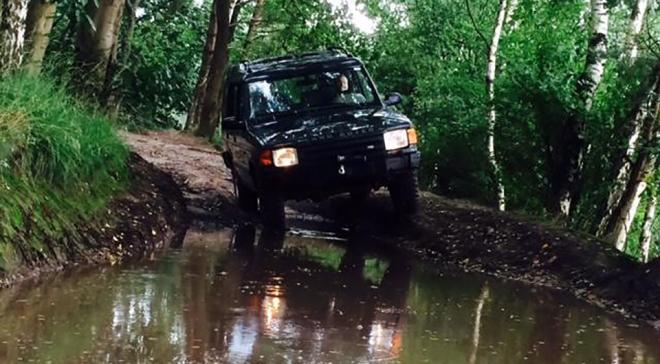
<point x="404" y="191"/>
<point x="246" y="198"/>
<point x="272" y="210"/>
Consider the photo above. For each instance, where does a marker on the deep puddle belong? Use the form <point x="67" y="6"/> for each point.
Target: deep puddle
<point x="312" y="302"/>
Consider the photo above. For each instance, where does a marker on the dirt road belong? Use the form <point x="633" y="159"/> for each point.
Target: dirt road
<point x="449" y="233"/>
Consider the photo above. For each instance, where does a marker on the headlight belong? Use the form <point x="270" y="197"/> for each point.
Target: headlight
<point x="396" y="139"/>
<point x="285" y="157"/>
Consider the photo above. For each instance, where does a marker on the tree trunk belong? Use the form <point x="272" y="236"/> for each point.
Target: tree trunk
<point x="113" y="63"/>
<point x="568" y="173"/>
<point x="492" y="115"/>
<point x="631" y="129"/>
<point x="112" y="99"/>
<point x="510" y="12"/>
<point x="12" y="34"/>
<point x="97" y="42"/>
<point x="206" y="105"/>
<point x="212" y="101"/>
<point x="619" y="225"/>
<point x="596" y="52"/>
<point x="624" y="222"/>
<point x="192" y="120"/>
<point x="634" y="28"/>
<point x="235" y="14"/>
<point x="647" y="230"/>
<point x="255" y="23"/>
<point x="39" y="22"/>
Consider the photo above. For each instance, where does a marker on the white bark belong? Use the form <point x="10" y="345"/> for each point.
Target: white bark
<point x="39" y="24"/>
<point x="12" y="34"/>
<point x="572" y="160"/>
<point x="485" y="293"/>
<point x="634" y="28"/>
<point x="618" y="216"/>
<point x="596" y="53"/>
<point x="623" y="224"/>
<point x="642" y="169"/>
<point x="492" y="115"/>
<point x="510" y="11"/>
<point x="647" y="230"/>
<point x="97" y="40"/>
<point x="623" y="166"/>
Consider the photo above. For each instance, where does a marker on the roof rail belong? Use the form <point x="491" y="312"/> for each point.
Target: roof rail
<point x="246" y="65"/>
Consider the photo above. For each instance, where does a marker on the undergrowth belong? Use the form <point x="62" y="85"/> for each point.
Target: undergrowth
<point x="60" y="162"/>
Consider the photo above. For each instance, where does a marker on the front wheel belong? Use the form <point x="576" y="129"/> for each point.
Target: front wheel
<point x="272" y="210"/>
<point x="404" y="191"/>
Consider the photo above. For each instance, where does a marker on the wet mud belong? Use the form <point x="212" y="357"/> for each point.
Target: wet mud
<point x="248" y="296"/>
<point x="447" y="233"/>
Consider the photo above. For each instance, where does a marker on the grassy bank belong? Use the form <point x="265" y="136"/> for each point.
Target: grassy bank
<point x="60" y="163"/>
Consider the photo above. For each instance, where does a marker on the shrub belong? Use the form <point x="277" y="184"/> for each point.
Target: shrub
<point x="60" y="162"/>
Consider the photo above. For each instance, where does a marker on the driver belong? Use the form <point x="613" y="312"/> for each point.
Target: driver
<point x="344" y="93"/>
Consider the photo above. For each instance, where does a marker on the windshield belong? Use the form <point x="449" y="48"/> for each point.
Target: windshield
<point x="348" y="88"/>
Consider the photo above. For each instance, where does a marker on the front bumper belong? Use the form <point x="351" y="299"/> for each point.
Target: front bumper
<point x="320" y="180"/>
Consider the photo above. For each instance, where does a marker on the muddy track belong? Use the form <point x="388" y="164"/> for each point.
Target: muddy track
<point x="451" y="234"/>
<point x="149" y="216"/>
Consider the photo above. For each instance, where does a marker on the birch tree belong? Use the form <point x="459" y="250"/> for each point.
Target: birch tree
<point x="39" y="24"/>
<point x="97" y="42"/>
<point x="510" y="12"/>
<point x="647" y="229"/>
<point x="632" y="129"/>
<point x="619" y="223"/>
<point x="568" y="173"/>
<point x="12" y="34"/>
<point x="491" y="70"/>
<point x="634" y="28"/>
<point x="110" y="95"/>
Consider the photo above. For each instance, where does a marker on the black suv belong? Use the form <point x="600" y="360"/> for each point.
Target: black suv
<point x="311" y="126"/>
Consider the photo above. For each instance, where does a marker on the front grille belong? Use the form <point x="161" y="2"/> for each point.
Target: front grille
<point x="347" y="150"/>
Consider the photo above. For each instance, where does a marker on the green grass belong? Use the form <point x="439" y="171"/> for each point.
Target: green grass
<point x="60" y="162"/>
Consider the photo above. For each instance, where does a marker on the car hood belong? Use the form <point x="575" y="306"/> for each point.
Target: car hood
<point x="311" y="129"/>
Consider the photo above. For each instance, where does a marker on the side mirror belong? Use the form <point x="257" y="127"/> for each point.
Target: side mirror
<point x="231" y="123"/>
<point x="394" y="98"/>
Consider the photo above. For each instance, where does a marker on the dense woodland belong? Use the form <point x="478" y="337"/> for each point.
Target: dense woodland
<point x="548" y="108"/>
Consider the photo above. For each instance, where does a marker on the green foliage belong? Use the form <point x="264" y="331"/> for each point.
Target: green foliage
<point x="59" y="163"/>
<point x="432" y="51"/>
<point x="156" y="83"/>
<point x="295" y="26"/>
<point x="158" y="63"/>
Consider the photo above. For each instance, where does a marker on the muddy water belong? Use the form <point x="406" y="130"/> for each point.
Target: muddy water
<point x="251" y="297"/>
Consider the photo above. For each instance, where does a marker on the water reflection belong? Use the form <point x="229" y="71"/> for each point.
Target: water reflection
<point x="259" y="297"/>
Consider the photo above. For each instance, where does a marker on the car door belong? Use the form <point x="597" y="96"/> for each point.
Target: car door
<point x="237" y="138"/>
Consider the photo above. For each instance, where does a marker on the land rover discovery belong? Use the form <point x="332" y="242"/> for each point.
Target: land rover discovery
<point x="311" y="126"/>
